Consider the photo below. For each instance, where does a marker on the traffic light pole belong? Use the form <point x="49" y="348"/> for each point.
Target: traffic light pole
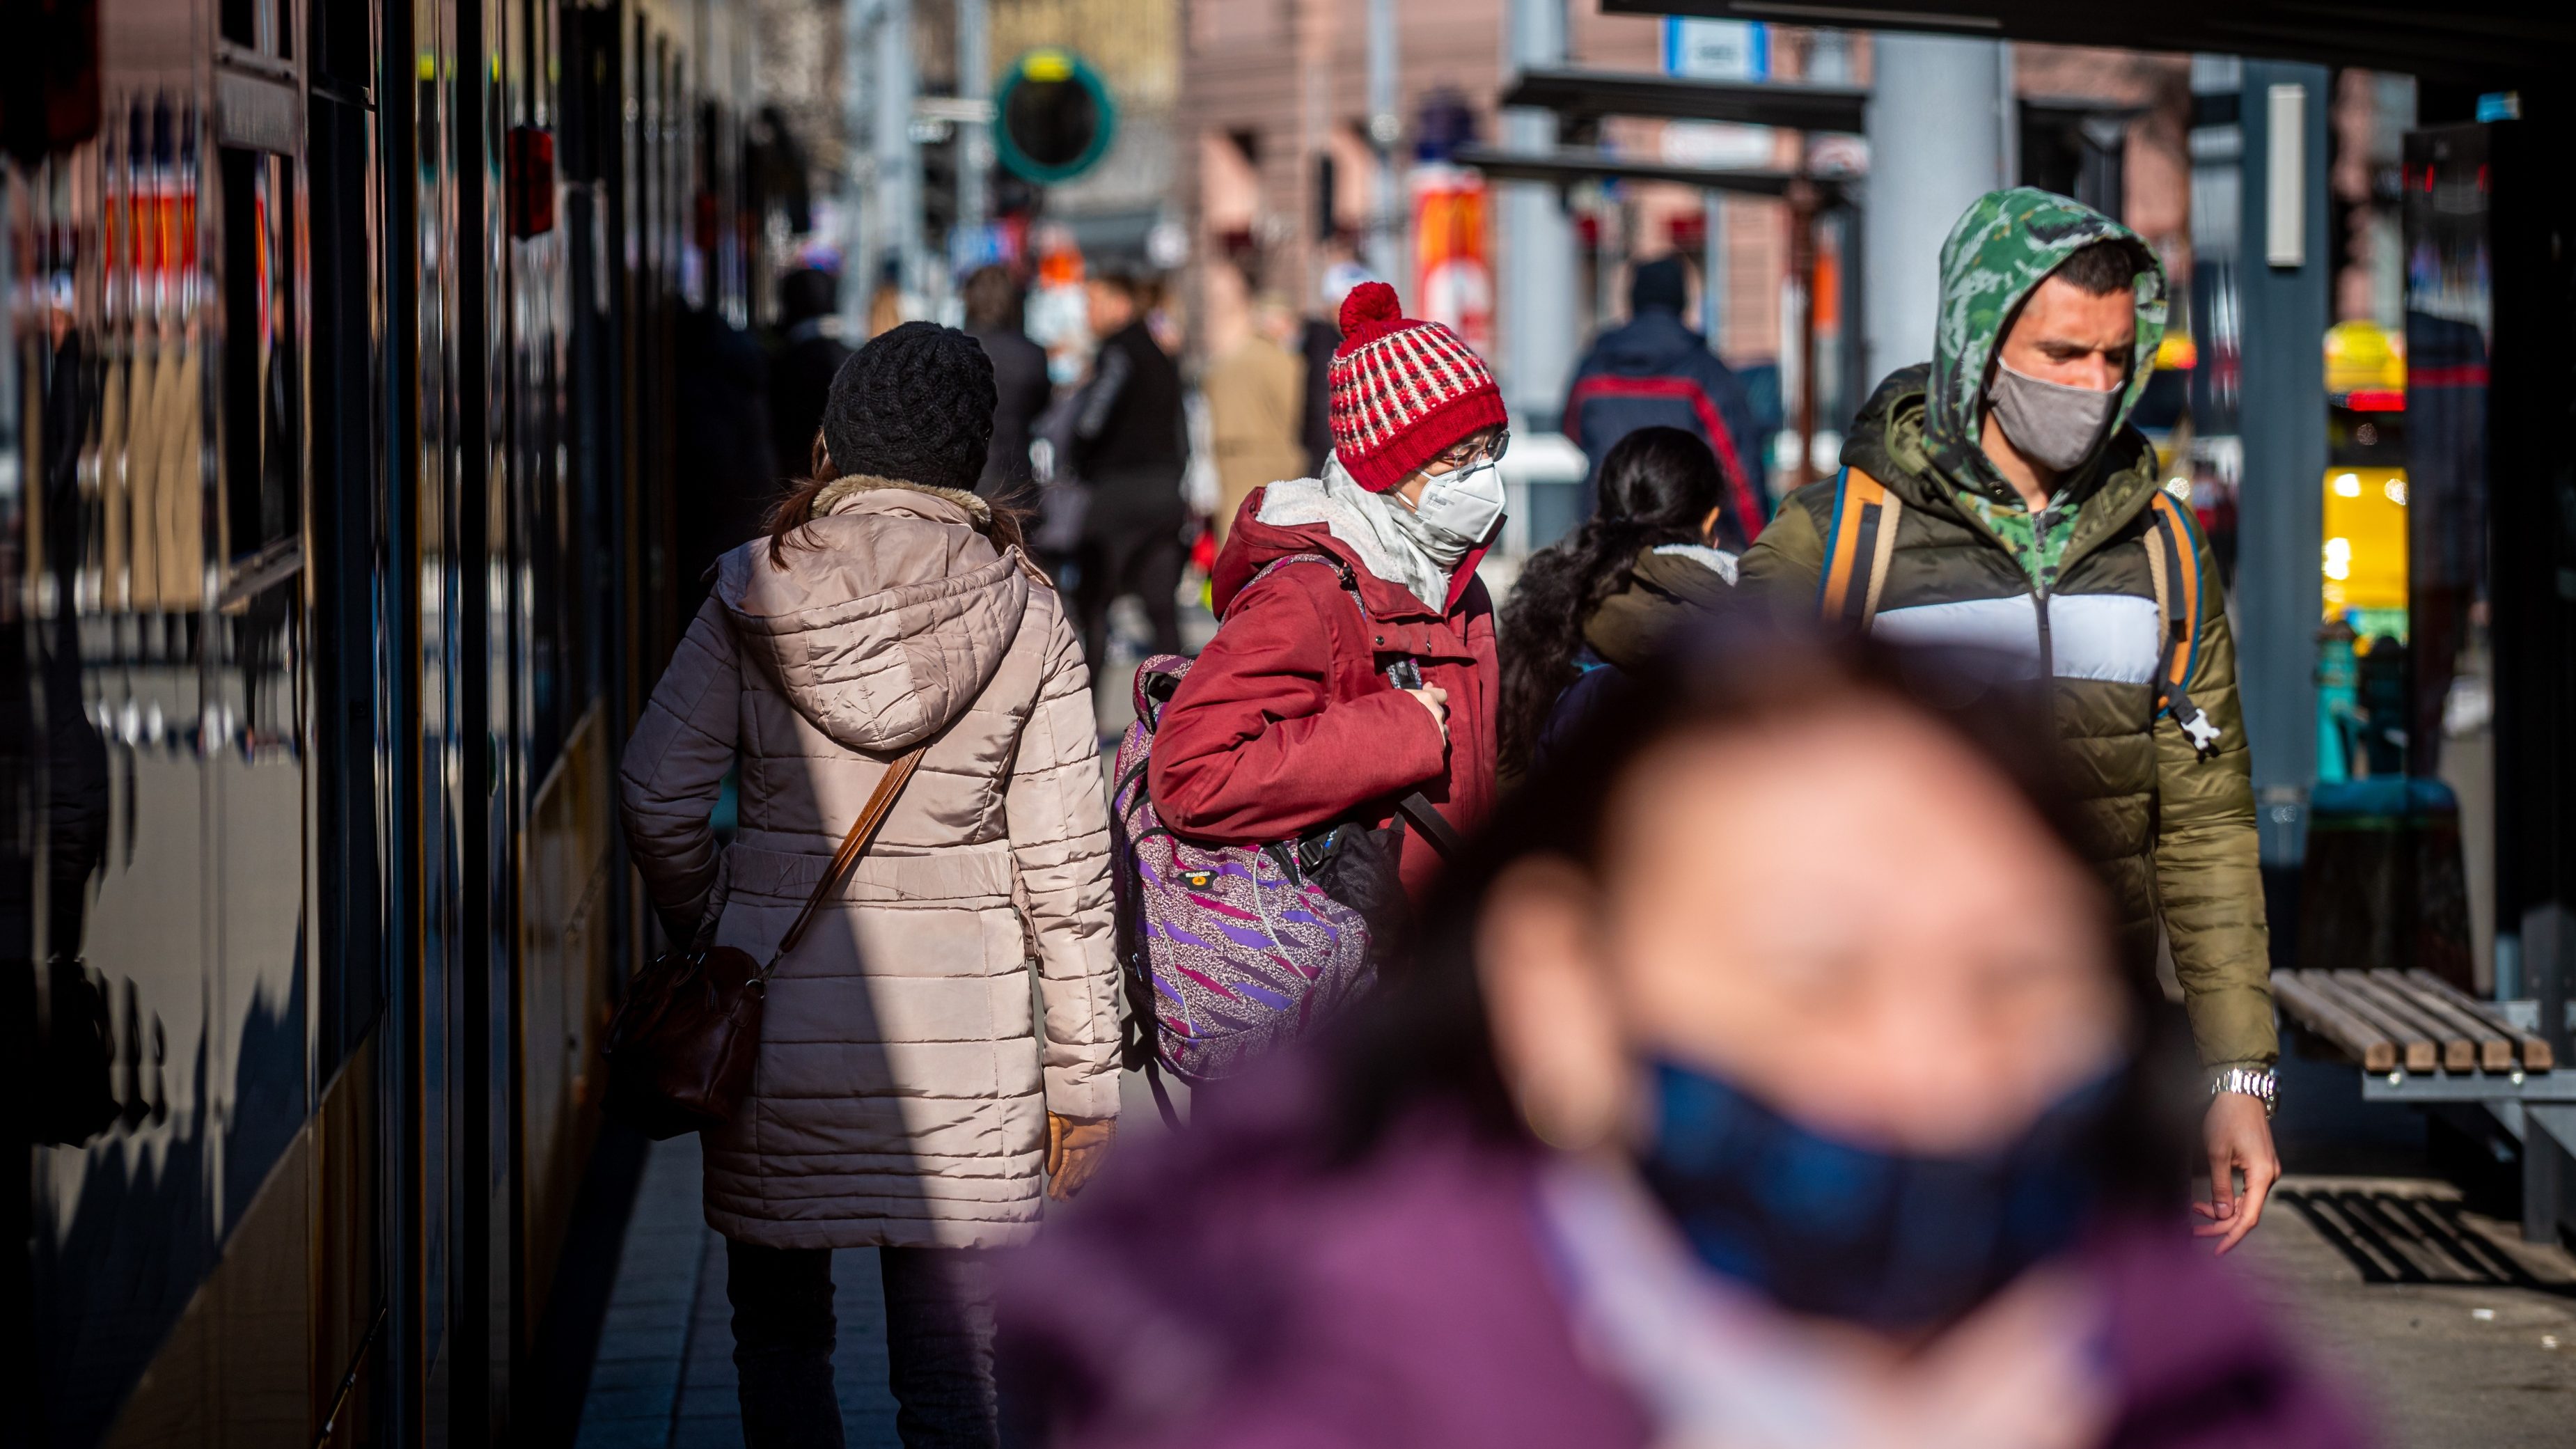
<point x="1386" y="127"/>
<point x="897" y="231"/>
<point x="974" y="142"/>
<point x="1535" y="306"/>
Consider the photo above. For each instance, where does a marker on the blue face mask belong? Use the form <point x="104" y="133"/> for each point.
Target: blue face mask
<point x="1832" y="1228"/>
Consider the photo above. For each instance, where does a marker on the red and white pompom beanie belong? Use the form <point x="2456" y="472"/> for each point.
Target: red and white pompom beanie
<point x="1404" y="391"/>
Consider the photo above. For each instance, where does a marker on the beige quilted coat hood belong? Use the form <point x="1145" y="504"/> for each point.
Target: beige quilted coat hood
<point x="904" y="1075"/>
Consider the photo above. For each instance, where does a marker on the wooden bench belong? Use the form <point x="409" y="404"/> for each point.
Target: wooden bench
<point x="2421" y="1041"/>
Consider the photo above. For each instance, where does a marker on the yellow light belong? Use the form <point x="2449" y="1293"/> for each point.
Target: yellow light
<point x="2348" y="485"/>
<point x="1047" y="65"/>
<point x="2338" y="558"/>
<point x="2395" y="488"/>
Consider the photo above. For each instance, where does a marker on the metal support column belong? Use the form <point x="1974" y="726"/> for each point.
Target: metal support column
<point x="974" y="140"/>
<point x="898" y="184"/>
<point x="2283" y="270"/>
<point x="1935" y="145"/>
<point x="1536" y="298"/>
<point x="1386" y="127"/>
<point x="858" y="167"/>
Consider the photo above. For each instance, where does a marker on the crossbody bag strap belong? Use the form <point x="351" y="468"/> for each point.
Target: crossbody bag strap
<point x="853" y="845"/>
<point x="1425" y="817"/>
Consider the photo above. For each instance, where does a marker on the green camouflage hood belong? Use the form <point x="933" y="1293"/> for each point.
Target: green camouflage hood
<point x="2006" y="244"/>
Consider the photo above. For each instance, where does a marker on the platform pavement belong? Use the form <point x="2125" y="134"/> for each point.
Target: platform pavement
<point x="664" y="1377"/>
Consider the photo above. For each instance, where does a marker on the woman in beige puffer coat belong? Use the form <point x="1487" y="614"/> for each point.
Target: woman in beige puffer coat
<point x="908" y="1096"/>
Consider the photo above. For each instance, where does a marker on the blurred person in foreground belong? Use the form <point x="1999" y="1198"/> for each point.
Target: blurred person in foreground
<point x="996" y="306"/>
<point x="804" y="358"/>
<point x="1880" y="1162"/>
<point x="1654" y="370"/>
<point x="1289" y="720"/>
<point x="1130" y="444"/>
<point x="1255" y="393"/>
<point x="1659" y="548"/>
<point x="2025" y="527"/>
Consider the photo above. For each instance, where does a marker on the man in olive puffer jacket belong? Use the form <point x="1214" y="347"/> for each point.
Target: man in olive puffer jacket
<point x="2023" y="528"/>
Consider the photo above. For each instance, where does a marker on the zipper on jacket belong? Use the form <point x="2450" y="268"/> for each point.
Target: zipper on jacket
<point x="2039" y="601"/>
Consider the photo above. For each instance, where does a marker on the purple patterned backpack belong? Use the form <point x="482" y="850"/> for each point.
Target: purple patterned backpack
<point x="1231" y="949"/>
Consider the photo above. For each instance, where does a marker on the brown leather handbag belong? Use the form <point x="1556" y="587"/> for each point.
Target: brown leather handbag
<point x="681" y="1050"/>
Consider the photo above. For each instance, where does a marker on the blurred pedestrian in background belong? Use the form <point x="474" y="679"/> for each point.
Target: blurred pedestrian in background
<point x="727" y="474"/>
<point x="1129" y="445"/>
<point x="1654" y="370"/>
<point x="1255" y="395"/>
<point x="1317" y="337"/>
<point x="995" y="307"/>
<point x="1658" y="550"/>
<point x="1285" y="722"/>
<point x="1769" y="1078"/>
<point x="906" y="1097"/>
<point x="806" y="355"/>
<point x="2020" y="514"/>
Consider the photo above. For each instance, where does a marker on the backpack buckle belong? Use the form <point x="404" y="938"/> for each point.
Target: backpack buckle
<point x="2196" y="724"/>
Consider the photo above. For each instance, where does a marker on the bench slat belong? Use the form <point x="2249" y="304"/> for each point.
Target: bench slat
<point x="2459" y="1054"/>
<point x="2537" y="1054"/>
<point x="2414" y="1047"/>
<point x="2494" y="1048"/>
<point x="2314" y="1011"/>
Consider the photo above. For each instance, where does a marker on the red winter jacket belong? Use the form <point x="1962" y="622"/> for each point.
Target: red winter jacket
<point x="1287" y="721"/>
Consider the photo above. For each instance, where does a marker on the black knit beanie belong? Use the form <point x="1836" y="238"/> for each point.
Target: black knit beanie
<point x="914" y="405"/>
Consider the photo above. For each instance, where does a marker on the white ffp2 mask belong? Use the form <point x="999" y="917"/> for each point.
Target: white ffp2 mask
<point x="1466" y="503"/>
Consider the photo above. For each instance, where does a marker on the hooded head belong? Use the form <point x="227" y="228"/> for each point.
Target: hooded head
<point x="1662" y="285"/>
<point x="1997" y="255"/>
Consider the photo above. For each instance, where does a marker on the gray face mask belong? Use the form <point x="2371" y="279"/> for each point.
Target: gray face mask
<point x="2054" y="425"/>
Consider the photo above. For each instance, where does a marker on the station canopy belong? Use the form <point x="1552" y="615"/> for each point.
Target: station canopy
<point x="2468" y="40"/>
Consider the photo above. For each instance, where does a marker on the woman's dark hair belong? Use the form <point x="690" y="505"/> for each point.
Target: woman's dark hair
<point x="1424" y="1042"/>
<point x="1657" y="487"/>
<point x="785" y="522"/>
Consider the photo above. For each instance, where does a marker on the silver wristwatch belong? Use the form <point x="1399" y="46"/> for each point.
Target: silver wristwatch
<point x="2255" y="1082"/>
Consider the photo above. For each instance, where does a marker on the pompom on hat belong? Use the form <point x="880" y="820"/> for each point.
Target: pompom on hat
<point x="1404" y="391"/>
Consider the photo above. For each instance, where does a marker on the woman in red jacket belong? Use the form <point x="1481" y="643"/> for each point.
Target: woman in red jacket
<point x="1289" y="719"/>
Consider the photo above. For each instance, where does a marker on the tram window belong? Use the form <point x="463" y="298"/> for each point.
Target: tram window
<point x="261" y="502"/>
<point x="259" y="25"/>
<point x="341" y="47"/>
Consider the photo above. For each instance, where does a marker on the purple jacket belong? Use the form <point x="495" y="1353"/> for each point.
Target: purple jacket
<point x="1225" y="1288"/>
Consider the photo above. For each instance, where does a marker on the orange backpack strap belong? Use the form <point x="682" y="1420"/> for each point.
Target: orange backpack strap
<point x="1858" y="544"/>
<point x="2173" y="559"/>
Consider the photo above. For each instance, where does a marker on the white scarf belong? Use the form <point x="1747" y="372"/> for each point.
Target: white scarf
<point x="1391" y="542"/>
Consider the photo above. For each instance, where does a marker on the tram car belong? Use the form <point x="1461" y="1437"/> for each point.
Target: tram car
<point x="337" y="549"/>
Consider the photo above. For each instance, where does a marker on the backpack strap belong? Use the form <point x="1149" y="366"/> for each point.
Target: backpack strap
<point x="1858" y="544"/>
<point x="2173" y="564"/>
<point x="1415" y="808"/>
<point x="1340" y="570"/>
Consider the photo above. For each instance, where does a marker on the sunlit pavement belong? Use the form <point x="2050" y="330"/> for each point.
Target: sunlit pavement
<point x="2445" y="1326"/>
<point x="664" y="1377"/>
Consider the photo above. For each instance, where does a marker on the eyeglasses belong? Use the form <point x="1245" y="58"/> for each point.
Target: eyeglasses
<point x="1473" y="451"/>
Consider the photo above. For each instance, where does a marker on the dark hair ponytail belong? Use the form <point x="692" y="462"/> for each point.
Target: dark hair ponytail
<point x="1657" y="486"/>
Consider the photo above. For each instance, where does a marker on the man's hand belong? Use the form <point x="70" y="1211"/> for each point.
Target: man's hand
<point x="2239" y="1138"/>
<point x="1076" y="1146"/>
<point x="1435" y="699"/>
